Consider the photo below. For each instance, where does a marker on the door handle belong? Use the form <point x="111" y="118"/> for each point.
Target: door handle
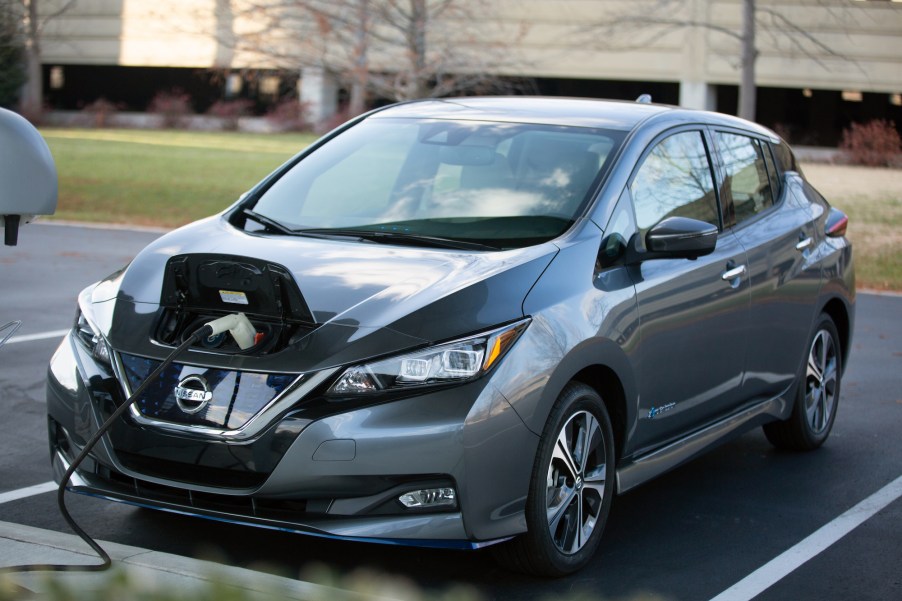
<point x="804" y="243"/>
<point x="736" y="272"/>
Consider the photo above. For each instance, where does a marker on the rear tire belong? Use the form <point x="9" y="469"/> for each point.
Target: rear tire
<point x="570" y="491"/>
<point x="817" y="395"/>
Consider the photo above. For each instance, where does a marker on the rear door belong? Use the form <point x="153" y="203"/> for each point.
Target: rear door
<point x="693" y="313"/>
<point x="779" y="237"/>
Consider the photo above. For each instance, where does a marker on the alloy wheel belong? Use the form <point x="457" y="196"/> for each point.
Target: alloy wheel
<point x="575" y="483"/>
<point x="821" y="382"/>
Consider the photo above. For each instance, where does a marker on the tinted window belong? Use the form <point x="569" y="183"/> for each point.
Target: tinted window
<point x="776" y="178"/>
<point x="675" y="179"/>
<point x="785" y="158"/>
<point x="746" y="175"/>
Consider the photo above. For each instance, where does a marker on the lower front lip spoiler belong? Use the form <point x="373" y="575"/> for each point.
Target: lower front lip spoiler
<point x="362" y="527"/>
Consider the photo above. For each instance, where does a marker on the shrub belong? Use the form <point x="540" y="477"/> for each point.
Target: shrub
<point x="101" y="110"/>
<point x="289" y="114"/>
<point x="173" y="106"/>
<point x="784" y="130"/>
<point x="875" y="143"/>
<point x="230" y="111"/>
<point x="339" y="118"/>
<point x="35" y="115"/>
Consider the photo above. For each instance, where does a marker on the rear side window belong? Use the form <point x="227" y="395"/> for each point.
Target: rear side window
<point x="776" y="177"/>
<point x="746" y="175"/>
<point x="675" y="180"/>
<point x="785" y="158"/>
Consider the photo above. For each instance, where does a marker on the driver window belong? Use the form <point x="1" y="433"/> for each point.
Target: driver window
<point x="675" y="180"/>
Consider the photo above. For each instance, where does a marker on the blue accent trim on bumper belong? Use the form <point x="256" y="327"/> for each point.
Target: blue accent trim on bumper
<point x="406" y="542"/>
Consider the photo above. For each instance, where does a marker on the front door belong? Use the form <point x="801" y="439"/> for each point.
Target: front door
<point x="694" y="314"/>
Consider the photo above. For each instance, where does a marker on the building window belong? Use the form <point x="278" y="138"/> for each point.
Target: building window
<point x="234" y="84"/>
<point x="269" y="85"/>
<point x="57" y="78"/>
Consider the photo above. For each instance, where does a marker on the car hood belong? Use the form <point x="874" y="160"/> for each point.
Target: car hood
<point x="368" y="299"/>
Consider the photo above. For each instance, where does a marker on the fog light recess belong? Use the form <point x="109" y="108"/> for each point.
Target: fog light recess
<point x="429" y="497"/>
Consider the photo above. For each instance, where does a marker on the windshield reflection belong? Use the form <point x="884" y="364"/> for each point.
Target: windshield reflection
<point x="442" y="178"/>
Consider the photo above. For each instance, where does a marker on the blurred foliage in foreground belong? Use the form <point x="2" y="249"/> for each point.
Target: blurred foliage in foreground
<point x="130" y="584"/>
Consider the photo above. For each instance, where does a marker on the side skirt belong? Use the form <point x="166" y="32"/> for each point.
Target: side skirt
<point x="642" y="469"/>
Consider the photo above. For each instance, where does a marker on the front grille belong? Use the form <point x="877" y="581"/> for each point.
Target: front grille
<point x="195" y="474"/>
<point x="237" y="396"/>
<point x="268" y="509"/>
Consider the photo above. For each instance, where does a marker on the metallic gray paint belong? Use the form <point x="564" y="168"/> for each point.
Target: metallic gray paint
<point x="623" y="328"/>
<point x="659" y="461"/>
<point x="370" y="299"/>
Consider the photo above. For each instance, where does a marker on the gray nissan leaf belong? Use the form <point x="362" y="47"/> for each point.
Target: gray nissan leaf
<point x="465" y="323"/>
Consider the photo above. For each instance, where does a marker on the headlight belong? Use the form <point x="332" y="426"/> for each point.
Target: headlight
<point x="91" y="339"/>
<point x="453" y="362"/>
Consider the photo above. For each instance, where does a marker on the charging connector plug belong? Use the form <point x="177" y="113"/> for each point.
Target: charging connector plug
<point x="238" y="325"/>
<point x="241" y="324"/>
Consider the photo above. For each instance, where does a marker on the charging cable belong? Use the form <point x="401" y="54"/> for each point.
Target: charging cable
<point x="238" y="325"/>
<point x="9" y="329"/>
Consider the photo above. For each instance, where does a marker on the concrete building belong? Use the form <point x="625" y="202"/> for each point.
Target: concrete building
<point x="821" y="63"/>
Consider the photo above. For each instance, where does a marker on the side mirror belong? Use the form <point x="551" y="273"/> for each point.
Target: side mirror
<point x="28" y="183"/>
<point x="675" y="238"/>
<point x="682" y="237"/>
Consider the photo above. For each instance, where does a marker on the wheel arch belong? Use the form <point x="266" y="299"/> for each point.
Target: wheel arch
<point x="603" y="366"/>
<point x="841" y="315"/>
<point x="607" y="384"/>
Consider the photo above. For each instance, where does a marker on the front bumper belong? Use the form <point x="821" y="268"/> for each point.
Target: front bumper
<point x="330" y="473"/>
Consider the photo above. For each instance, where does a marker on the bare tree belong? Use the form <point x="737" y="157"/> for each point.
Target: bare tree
<point x="439" y="48"/>
<point x="397" y="49"/>
<point x="12" y="69"/>
<point x="33" y="22"/>
<point x="659" y="15"/>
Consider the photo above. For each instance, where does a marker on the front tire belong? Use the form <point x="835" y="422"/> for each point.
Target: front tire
<point x="817" y="397"/>
<point x="571" y="488"/>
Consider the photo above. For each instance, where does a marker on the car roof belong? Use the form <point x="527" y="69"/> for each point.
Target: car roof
<point x="574" y="112"/>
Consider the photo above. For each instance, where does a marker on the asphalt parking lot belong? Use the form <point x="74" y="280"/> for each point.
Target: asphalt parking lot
<point x="726" y="519"/>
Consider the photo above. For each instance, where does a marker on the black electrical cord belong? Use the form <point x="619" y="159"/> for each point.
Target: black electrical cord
<point x="199" y="334"/>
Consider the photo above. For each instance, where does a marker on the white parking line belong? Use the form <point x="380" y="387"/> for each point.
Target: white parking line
<point x="38" y="336"/>
<point x="786" y="563"/>
<point x="23" y="493"/>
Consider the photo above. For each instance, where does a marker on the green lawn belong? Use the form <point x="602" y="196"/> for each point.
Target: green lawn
<point x="169" y="178"/>
<point x="165" y="178"/>
<point x="872" y="198"/>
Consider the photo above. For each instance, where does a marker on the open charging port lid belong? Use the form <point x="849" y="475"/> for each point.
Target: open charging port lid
<point x="213" y="282"/>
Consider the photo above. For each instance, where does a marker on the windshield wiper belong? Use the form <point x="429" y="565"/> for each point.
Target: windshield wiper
<point x="271" y="224"/>
<point x="402" y="237"/>
<point x="434" y="241"/>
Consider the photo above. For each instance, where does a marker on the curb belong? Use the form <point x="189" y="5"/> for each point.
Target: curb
<point x="93" y="225"/>
<point x="147" y="570"/>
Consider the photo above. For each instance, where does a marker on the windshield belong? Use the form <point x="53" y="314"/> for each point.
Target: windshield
<point x="500" y="184"/>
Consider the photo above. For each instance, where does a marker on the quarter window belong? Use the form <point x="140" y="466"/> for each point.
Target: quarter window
<point x="746" y="175"/>
<point x="675" y="180"/>
<point x="786" y="158"/>
<point x="776" y="179"/>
